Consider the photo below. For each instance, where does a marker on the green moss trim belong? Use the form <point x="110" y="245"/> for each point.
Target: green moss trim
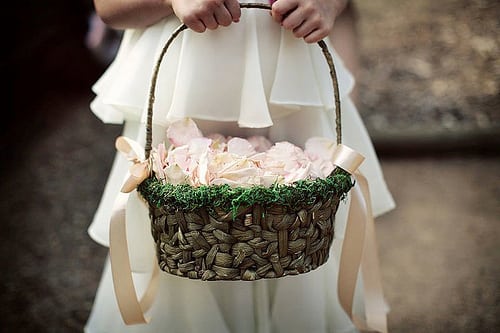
<point x="299" y="194"/>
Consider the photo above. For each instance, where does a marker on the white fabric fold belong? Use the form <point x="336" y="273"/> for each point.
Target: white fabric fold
<point x="200" y="76"/>
<point x="254" y="111"/>
<point x="301" y="86"/>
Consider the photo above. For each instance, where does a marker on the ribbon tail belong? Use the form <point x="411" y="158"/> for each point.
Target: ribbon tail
<point x="375" y="306"/>
<point x="352" y="249"/>
<point x="132" y="182"/>
<point x="359" y="251"/>
<point x="131" y="308"/>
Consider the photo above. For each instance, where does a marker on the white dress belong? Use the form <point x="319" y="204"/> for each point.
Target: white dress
<point x="249" y="77"/>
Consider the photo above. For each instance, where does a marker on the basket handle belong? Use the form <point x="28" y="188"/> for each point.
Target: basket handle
<point x="182" y="27"/>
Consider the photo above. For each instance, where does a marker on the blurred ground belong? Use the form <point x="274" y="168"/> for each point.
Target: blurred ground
<point x="430" y="66"/>
<point x="430" y="69"/>
<point x="430" y="83"/>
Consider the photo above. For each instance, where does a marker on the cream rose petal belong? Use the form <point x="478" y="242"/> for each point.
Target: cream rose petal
<point x="237" y="169"/>
<point x="298" y="174"/>
<point x="237" y="180"/>
<point x="219" y="162"/>
<point x="175" y="175"/>
<point x="240" y="173"/>
<point x="157" y="165"/>
<point x="198" y="146"/>
<point x="269" y="179"/>
<point x="202" y="169"/>
<point x="219" y="142"/>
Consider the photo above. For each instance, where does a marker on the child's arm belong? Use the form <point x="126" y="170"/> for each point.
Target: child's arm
<point x="196" y="14"/>
<point x="124" y="14"/>
<point x="309" y="19"/>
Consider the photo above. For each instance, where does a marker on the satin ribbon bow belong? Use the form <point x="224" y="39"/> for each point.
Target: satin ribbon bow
<point x="140" y="169"/>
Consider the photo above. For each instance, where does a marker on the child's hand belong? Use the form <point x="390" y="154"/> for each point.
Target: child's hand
<point x="202" y="14"/>
<point x="308" y="19"/>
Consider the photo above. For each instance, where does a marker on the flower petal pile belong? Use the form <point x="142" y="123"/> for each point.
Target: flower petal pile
<point x="214" y="159"/>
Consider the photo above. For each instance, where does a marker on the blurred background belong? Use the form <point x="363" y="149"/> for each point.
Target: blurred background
<point x="429" y="92"/>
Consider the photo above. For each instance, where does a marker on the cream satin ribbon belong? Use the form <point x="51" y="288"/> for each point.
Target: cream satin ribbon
<point x="359" y="249"/>
<point x="131" y="308"/>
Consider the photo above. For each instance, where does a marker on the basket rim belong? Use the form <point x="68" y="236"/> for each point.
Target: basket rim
<point x="296" y="196"/>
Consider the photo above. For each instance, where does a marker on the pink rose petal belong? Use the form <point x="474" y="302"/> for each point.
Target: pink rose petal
<point x="260" y="143"/>
<point x="179" y="133"/>
<point x="320" y="148"/>
<point x="240" y="147"/>
<point x="179" y="156"/>
<point x="237" y="161"/>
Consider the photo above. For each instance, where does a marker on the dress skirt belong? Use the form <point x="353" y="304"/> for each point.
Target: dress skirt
<point x="249" y="78"/>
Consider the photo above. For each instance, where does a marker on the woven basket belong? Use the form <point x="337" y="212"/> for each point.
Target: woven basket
<point x="247" y="233"/>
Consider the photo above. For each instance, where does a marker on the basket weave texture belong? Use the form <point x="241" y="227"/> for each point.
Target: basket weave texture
<point x="249" y="242"/>
<point x="201" y="234"/>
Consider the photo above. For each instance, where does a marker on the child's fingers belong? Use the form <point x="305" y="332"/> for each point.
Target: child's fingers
<point x="315" y="36"/>
<point x="303" y="29"/>
<point x="281" y="9"/>
<point x="312" y="29"/>
<point x="233" y="6"/>
<point x="293" y="19"/>
<point x="194" y="24"/>
<point x="210" y="22"/>
<point x="222" y="16"/>
<point x="207" y="14"/>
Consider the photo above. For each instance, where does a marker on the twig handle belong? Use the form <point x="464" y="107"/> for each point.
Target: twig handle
<point x="182" y="27"/>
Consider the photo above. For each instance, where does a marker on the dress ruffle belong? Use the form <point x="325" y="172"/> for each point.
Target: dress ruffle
<point x="250" y="73"/>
